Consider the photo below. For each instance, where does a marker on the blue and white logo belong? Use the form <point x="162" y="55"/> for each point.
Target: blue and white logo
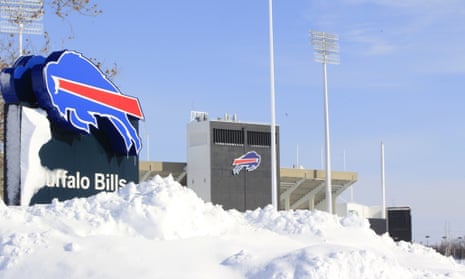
<point x="76" y="95"/>
<point x="250" y="161"/>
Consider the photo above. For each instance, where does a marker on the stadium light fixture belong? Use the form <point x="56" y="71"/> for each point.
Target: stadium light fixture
<point x="326" y="51"/>
<point x="21" y="17"/>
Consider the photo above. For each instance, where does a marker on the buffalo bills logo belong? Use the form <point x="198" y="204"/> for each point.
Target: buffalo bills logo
<point x="250" y="161"/>
<point x="76" y="96"/>
<point x="80" y="93"/>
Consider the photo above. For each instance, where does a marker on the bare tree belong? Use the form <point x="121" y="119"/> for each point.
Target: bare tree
<point x="64" y="7"/>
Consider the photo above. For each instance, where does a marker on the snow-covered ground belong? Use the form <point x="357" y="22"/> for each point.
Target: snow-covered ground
<point x="159" y="229"/>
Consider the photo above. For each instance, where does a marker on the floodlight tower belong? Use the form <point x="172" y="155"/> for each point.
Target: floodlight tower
<point x="21" y="16"/>
<point x="326" y="51"/>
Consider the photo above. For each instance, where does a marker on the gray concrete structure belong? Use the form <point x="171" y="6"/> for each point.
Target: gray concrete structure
<point x="213" y="149"/>
<point x="298" y="188"/>
<point x="305" y="189"/>
<point x="148" y="170"/>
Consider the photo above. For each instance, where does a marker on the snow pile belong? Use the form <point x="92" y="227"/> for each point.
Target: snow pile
<point x="160" y="229"/>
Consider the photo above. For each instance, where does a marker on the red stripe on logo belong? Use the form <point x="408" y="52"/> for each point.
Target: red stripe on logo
<point x="129" y="105"/>
<point x="244" y="161"/>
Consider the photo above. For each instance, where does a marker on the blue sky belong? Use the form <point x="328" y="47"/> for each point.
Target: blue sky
<point x="400" y="81"/>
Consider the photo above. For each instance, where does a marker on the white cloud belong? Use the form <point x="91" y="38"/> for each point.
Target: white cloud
<point x="417" y="4"/>
<point x="373" y="41"/>
<point x="421" y="11"/>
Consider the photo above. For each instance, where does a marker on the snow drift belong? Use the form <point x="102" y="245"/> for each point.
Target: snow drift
<point x="160" y="229"/>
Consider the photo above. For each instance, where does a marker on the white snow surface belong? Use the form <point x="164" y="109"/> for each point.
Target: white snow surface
<point x="160" y="229"/>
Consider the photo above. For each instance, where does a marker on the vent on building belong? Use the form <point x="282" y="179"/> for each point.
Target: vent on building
<point x="199" y="116"/>
<point x="258" y="138"/>
<point x="228" y="136"/>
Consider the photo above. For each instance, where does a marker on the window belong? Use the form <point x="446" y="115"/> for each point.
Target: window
<point x="258" y="138"/>
<point x="228" y="137"/>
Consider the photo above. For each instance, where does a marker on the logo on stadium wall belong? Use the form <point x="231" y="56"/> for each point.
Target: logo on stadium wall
<point x="76" y="95"/>
<point x="250" y="161"/>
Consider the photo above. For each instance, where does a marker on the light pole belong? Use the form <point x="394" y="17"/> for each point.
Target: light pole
<point x="22" y="17"/>
<point x="383" y="184"/>
<point x="326" y="51"/>
<point x="274" y="179"/>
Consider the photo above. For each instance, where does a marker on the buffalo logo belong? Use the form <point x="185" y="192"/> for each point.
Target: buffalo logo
<point x="77" y="96"/>
<point x="80" y="92"/>
<point x="250" y="161"/>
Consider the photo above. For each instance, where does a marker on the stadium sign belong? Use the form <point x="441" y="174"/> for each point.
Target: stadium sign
<point x="69" y="131"/>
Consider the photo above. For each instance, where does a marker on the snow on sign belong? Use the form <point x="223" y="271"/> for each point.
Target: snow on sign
<point x="69" y="130"/>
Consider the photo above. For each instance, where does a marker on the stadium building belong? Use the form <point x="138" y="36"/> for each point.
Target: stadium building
<point x="214" y="148"/>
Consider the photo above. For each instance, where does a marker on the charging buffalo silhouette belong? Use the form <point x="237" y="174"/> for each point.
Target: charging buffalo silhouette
<point x="250" y="161"/>
<point x="78" y="94"/>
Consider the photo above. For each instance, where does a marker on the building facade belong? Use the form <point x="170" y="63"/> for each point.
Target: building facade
<point x="229" y="162"/>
